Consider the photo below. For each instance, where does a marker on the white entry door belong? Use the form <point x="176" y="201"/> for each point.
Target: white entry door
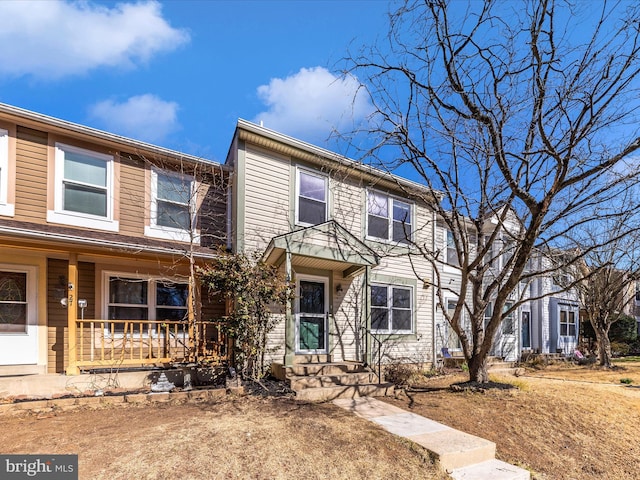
<point x="18" y="316"/>
<point x="312" y="315"/>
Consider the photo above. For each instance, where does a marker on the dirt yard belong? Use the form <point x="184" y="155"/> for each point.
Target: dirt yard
<point x="563" y="422"/>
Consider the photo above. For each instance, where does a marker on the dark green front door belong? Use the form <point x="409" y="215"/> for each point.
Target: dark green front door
<point x="312" y="317"/>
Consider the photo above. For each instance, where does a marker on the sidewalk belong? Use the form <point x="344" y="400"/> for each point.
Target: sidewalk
<point x="462" y="456"/>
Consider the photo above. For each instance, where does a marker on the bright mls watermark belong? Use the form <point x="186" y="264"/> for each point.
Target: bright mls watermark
<point x="51" y="467"/>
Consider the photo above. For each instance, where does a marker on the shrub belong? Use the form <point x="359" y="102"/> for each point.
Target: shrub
<point x="626" y="381"/>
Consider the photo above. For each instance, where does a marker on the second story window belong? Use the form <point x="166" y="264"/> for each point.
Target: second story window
<point x="85" y="182"/>
<point x="311" y="199"/>
<point x="84" y="187"/>
<point x="172" y="209"/>
<point x="172" y="201"/>
<point x="388" y="218"/>
<point x="7" y="202"/>
<point x="452" y="253"/>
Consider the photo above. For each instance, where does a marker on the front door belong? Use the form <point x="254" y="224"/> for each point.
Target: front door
<point x="312" y="315"/>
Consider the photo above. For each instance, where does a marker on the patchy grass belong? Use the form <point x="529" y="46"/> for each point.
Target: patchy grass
<point x="238" y="438"/>
<point x="562" y="423"/>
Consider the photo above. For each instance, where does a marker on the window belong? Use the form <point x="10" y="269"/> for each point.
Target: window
<point x="391" y="309"/>
<point x="133" y="298"/>
<point x="5" y="207"/>
<point x="452" y="253"/>
<point x="526" y="329"/>
<point x="567" y="322"/>
<point x="172" y="207"/>
<point x="83" y="188"/>
<point x="13" y="302"/>
<point x="311" y="202"/>
<point x="388" y="218"/>
<point x="637" y="292"/>
<point x="508" y="322"/>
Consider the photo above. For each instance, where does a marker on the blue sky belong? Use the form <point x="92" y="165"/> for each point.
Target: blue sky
<point x="180" y="73"/>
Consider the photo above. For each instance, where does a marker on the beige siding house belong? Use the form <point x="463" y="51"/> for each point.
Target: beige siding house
<point x="97" y="233"/>
<point x="339" y="230"/>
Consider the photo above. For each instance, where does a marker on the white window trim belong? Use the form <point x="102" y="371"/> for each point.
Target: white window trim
<point x="447" y="267"/>
<point x="169" y="233"/>
<point x="151" y="297"/>
<point x="390" y="200"/>
<point x="564" y="307"/>
<point x="6" y="209"/>
<point x="390" y="287"/>
<point x="314" y="173"/>
<point x="78" y="219"/>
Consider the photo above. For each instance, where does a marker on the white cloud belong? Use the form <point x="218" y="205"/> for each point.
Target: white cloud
<point x="57" y="38"/>
<point x="312" y="102"/>
<point x="143" y="117"/>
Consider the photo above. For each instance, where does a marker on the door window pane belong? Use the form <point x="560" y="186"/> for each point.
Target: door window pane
<point x="312" y="297"/>
<point x="13" y="302"/>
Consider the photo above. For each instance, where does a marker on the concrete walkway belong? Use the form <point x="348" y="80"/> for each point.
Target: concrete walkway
<point x="462" y="456"/>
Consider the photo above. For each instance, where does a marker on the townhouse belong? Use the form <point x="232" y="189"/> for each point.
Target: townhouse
<point x="98" y="238"/>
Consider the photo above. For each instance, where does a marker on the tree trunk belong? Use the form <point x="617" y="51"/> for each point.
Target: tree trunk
<point x="604" y="346"/>
<point x="478" y="369"/>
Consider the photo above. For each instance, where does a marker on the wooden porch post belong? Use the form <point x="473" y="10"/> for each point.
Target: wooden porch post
<point x="290" y="322"/>
<point x="72" y="314"/>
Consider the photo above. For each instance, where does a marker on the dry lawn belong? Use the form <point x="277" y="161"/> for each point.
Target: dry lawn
<point x="563" y="422"/>
<point x="238" y="438"/>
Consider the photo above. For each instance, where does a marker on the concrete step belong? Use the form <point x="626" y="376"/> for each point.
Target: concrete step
<point x="299" y="382"/>
<point x="324" y="394"/>
<point x="455" y="449"/>
<point x="312" y="358"/>
<point x="491" y="469"/>
<point x="325" y="368"/>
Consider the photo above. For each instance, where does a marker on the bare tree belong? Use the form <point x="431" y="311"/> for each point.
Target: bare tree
<point x="608" y="276"/>
<point x="520" y="115"/>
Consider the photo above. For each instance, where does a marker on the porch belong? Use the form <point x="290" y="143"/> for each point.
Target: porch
<point x="118" y="344"/>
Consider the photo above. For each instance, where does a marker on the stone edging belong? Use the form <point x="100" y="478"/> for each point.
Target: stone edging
<point x="38" y="406"/>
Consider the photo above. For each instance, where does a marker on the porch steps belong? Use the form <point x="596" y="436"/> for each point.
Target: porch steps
<point x="317" y="379"/>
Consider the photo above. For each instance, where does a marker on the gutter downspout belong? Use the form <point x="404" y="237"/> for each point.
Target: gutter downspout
<point x="433" y="298"/>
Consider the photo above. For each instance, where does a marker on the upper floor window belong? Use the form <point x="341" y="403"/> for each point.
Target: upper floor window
<point x="4" y="168"/>
<point x="388" y="218"/>
<point x="452" y="252"/>
<point x="83" y="188"/>
<point x="391" y="309"/>
<point x="172" y="207"/>
<point x="311" y="199"/>
<point x="637" y="292"/>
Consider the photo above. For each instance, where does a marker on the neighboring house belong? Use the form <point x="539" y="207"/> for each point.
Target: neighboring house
<point x="97" y="234"/>
<point x="339" y="230"/>
<point x="555" y="317"/>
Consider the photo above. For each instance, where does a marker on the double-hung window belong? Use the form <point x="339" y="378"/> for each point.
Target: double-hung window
<point x="172" y="206"/>
<point x="391" y="309"/>
<point x="567" y="322"/>
<point x="388" y="218"/>
<point x="134" y="299"/>
<point x="83" y="188"/>
<point x="311" y="199"/>
<point x="5" y="207"/>
<point x="452" y="252"/>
